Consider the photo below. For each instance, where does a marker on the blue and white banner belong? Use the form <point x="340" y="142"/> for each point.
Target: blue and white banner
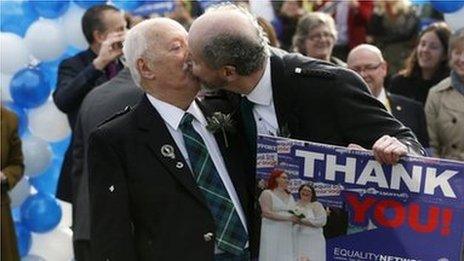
<point x="413" y="210"/>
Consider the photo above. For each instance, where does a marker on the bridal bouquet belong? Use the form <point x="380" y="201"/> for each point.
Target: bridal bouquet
<point x="297" y="212"/>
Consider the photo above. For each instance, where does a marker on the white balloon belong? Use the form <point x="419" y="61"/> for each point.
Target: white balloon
<point x="14" y="54"/>
<point x="5" y="80"/>
<point x="32" y="258"/>
<point x="45" y="39"/>
<point x="55" y="245"/>
<point x="37" y="155"/>
<point x="20" y="192"/>
<point x="48" y="123"/>
<point x="72" y="23"/>
<point x="455" y="20"/>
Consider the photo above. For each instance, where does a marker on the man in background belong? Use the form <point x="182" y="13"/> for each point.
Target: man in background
<point x="103" y="27"/>
<point x="367" y="60"/>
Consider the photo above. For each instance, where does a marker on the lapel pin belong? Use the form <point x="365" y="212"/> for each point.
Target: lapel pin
<point x="398" y="108"/>
<point x="168" y="151"/>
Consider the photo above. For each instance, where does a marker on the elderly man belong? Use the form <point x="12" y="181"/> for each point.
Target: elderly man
<point x="162" y="186"/>
<point x="367" y="61"/>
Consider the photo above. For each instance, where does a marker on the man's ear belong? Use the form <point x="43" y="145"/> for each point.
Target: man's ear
<point x="229" y="72"/>
<point x="98" y="36"/>
<point x="145" y="69"/>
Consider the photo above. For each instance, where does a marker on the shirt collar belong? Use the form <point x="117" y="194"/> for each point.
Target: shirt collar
<point x="382" y="96"/>
<point x="262" y="93"/>
<point x="172" y="115"/>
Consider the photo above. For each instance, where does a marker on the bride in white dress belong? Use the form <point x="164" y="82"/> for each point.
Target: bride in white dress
<point x="308" y="236"/>
<point x="276" y="226"/>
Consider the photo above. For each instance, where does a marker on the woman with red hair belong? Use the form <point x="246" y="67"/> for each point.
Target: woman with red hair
<point x="277" y="221"/>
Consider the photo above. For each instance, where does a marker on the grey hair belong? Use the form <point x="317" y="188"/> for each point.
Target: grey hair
<point x="136" y="45"/>
<point x="309" y="22"/>
<point x="245" y="53"/>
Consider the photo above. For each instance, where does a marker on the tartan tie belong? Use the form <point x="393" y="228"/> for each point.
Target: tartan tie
<point x="246" y="109"/>
<point x="230" y="233"/>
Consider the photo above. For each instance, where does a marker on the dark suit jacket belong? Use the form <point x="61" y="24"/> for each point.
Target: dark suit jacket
<point x="100" y="104"/>
<point x="146" y="206"/>
<point x="76" y="77"/>
<point x="411" y="114"/>
<point x="323" y="103"/>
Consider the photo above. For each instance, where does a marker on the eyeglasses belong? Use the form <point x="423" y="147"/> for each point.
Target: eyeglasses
<point x="319" y="36"/>
<point x="366" y="68"/>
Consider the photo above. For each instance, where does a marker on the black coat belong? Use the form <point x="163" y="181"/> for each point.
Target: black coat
<point x="146" y="206"/>
<point x="100" y="104"/>
<point x="76" y="77"/>
<point x="319" y="102"/>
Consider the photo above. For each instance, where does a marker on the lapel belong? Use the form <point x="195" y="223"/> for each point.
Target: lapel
<point x="397" y="109"/>
<point x="283" y="96"/>
<point x="154" y="133"/>
<point x="230" y="153"/>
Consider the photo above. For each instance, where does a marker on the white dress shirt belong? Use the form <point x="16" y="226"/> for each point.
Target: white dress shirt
<point x="172" y="117"/>
<point x="264" y="110"/>
<point x="383" y="99"/>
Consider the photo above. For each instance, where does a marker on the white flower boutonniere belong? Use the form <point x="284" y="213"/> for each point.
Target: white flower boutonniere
<point x="221" y="122"/>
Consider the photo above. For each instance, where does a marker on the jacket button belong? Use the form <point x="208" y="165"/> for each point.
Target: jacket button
<point x="454" y="120"/>
<point x="454" y="146"/>
<point x="208" y="236"/>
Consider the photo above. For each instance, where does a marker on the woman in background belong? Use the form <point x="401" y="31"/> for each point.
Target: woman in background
<point x="12" y="171"/>
<point x="276" y="225"/>
<point x="445" y="106"/>
<point x="426" y="66"/>
<point x="308" y="234"/>
<point x="316" y="36"/>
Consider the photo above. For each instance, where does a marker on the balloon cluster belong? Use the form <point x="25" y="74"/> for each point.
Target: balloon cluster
<point x="453" y="12"/>
<point x="35" y="37"/>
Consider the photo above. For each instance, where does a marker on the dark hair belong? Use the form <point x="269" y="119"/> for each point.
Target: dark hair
<point x="411" y="66"/>
<point x="313" y="191"/>
<point x="92" y="20"/>
<point x="272" y="180"/>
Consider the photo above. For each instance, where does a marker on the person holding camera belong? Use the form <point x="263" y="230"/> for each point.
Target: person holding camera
<point x="104" y="28"/>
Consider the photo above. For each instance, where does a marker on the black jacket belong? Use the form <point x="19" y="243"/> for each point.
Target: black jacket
<point x="146" y="206"/>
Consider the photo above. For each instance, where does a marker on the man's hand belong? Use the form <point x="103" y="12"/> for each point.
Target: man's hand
<point x="388" y="150"/>
<point x="109" y="50"/>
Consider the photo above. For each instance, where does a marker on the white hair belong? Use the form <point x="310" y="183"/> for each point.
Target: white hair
<point x="138" y="39"/>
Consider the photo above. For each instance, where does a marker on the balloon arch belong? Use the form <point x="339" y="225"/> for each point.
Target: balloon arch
<point x="29" y="28"/>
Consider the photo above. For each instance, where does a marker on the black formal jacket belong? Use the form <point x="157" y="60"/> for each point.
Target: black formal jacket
<point x="320" y="102"/>
<point x="99" y="104"/>
<point x="317" y="101"/>
<point x="76" y="77"/>
<point x="411" y="114"/>
<point x="145" y="205"/>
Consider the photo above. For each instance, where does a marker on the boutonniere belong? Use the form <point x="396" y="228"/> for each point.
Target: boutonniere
<point x="221" y="122"/>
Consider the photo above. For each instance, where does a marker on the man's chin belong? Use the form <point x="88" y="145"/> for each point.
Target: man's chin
<point x="209" y="87"/>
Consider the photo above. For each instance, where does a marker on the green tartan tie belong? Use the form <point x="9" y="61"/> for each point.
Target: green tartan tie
<point x="231" y="236"/>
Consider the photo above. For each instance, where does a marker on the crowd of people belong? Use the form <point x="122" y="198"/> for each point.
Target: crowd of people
<point x="146" y="167"/>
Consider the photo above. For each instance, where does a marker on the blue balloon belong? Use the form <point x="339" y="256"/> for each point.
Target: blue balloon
<point x="16" y="16"/>
<point x="23" y="235"/>
<point x="47" y="181"/>
<point x="29" y="88"/>
<point x="159" y="7"/>
<point x="40" y="213"/>
<point x="50" y="8"/>
<point x="21" y="114"/>
<point x="89" y="3"/>
<point x="60" y="147"/>
<point x="127" y="5"/>
<point x="445" y="6"/>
